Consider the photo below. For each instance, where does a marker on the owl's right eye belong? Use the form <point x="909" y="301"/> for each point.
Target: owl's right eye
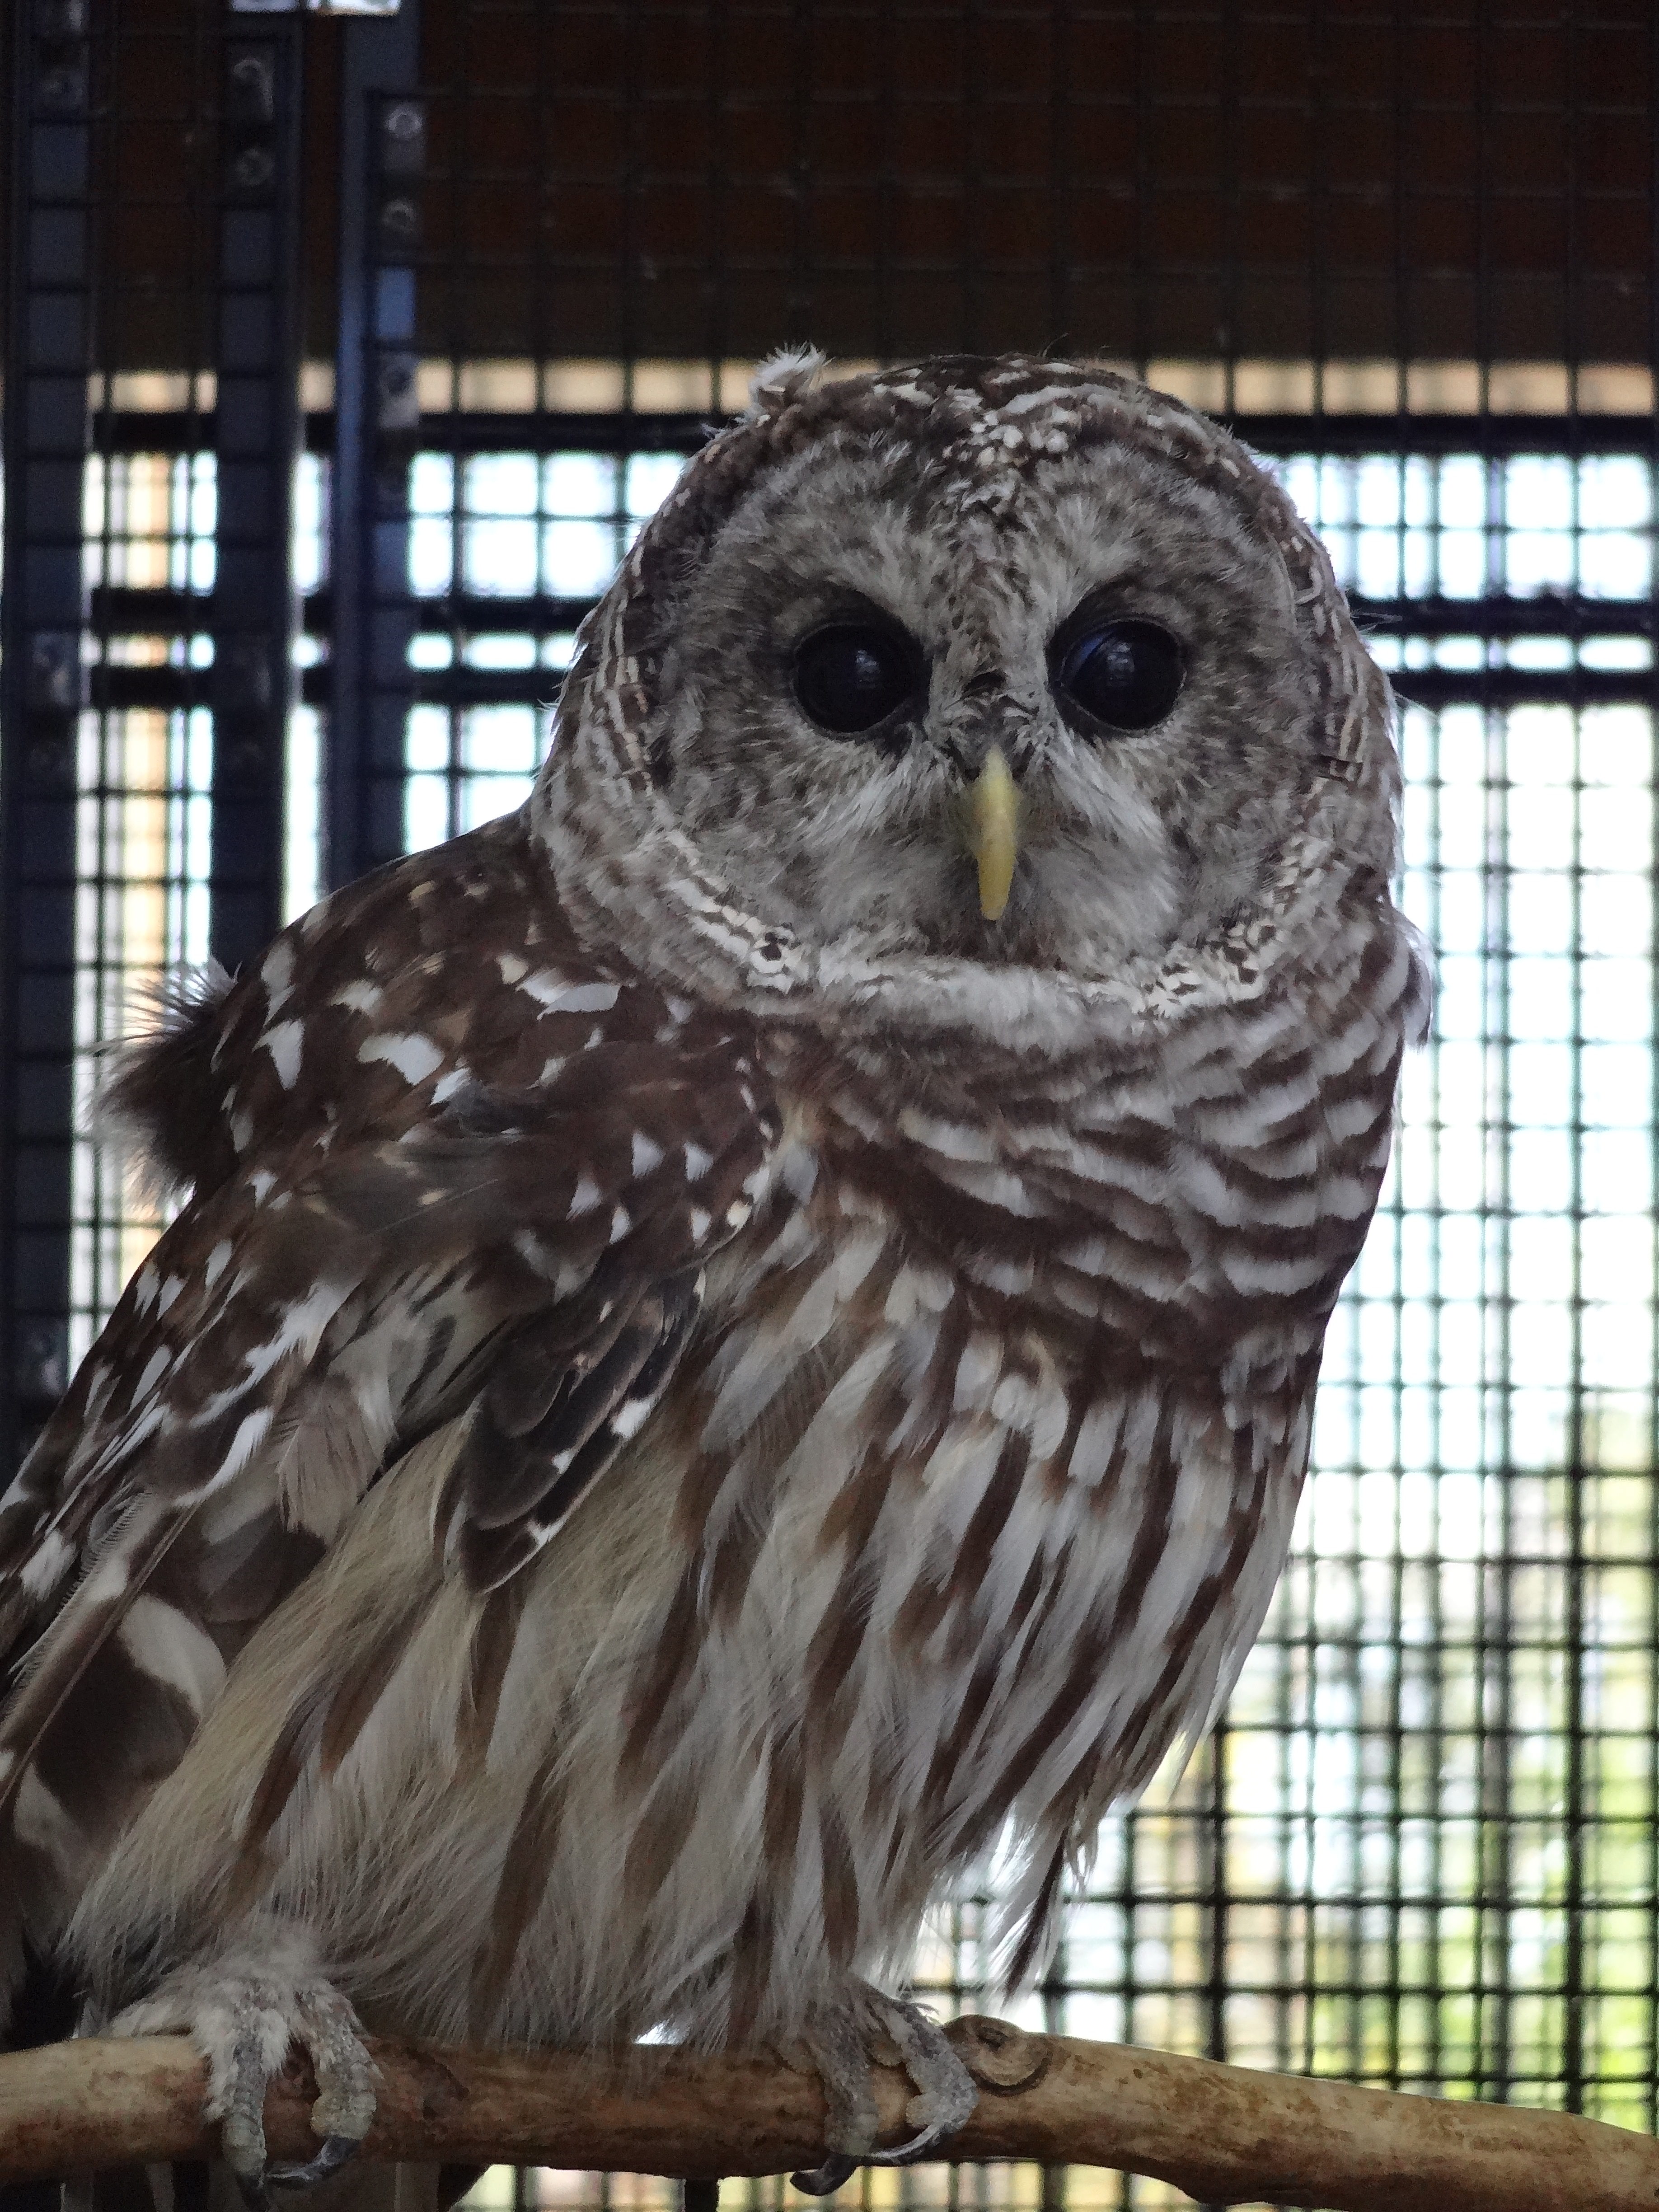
<point x="852" y="676"/>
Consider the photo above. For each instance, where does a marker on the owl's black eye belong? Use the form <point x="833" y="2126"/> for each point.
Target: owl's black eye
<point x="852" y="676"/>
<point x="1124" y="674"/>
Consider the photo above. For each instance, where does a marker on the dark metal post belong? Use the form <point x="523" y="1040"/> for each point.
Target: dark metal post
<point x="42" y="617"/>
<point x="255" y="612"/>
<point x="377" y="411"/>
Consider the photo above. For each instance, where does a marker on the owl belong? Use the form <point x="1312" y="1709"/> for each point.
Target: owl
<point x="746" y="1335"/>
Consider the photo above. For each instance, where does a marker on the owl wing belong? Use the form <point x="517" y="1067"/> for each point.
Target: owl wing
<point x="534" y="1254"/>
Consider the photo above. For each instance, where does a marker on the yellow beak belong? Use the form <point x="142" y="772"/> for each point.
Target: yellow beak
<point x="993" y="832"/>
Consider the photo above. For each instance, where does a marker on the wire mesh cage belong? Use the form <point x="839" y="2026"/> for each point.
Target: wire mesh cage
<point x="1409" y="254"/>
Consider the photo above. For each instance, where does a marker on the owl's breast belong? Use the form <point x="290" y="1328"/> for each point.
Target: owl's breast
<point x="968" y="1547"/>
<point x="985" y="1459"/>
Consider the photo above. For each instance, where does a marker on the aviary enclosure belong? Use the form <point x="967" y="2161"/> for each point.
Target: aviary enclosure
<point x="345" y="351"/>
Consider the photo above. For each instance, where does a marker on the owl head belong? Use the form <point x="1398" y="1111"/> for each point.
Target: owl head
<point x="981" y="692"/>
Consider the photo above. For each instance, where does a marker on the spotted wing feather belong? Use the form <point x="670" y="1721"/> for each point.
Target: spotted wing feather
<point x="532" y="1451"/>
<point x="517" y="1224"/>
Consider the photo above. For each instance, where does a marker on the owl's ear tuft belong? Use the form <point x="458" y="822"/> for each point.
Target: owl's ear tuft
<point x="784" y="377"/>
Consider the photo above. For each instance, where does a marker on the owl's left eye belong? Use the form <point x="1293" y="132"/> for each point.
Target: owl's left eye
<point x="851" y="677"/>
<point x="1124" y="673"/>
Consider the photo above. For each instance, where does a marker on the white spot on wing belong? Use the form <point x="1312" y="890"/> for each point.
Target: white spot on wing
<point x="47" y="1564"/>
<point x="586" y="1196"/>
<point x="285" y="1042"/>
<point x="550" y="990"/>
<point x="277" y="972"/>
<point x="250" y="1434"/>
<point x="302" y="1325"/>
<point x="414" y="1056"/>
<point x="630" y="1418"/>
<point x="107" y="1580"/>
<point x="154" y="1368"/>
<point x="697" y="1162"/>
<point x="647" y="1155"/>
<point x="170" y="1647"/>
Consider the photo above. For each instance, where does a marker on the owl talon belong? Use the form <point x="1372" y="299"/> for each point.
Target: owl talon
<point x="842" y="2047"/>
<point x="945" y="2094"/>
<point x="242" y="2012"/>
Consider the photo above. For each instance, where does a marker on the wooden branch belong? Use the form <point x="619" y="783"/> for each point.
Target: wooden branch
<point x="1221" y="2133"/>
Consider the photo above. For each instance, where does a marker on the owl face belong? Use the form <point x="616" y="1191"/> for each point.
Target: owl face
<point x="849" y="654"/>
<point x="875" y="619"/>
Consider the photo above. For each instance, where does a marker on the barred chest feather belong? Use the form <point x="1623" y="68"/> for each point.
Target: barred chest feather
<point x="993" y="1456"/>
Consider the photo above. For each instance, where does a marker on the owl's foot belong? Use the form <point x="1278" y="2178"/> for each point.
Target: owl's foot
<point x="844" y="2044"/>
<point x="242" y="2010"/>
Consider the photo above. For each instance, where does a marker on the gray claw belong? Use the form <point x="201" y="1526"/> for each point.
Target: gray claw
<point x="908" y="2154"/>
<point x="824" y="2180"/>
<point x="335" y="2152"/>
<point x="841" y="2044"/>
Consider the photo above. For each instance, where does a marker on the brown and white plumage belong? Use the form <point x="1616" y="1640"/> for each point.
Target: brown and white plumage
<point x="701" y="1384"/>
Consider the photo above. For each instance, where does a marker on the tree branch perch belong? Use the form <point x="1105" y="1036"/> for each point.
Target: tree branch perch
<point x="1221" y="2133"/>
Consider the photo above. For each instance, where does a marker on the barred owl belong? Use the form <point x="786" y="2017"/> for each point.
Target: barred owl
<point x="747" y="1333"/>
